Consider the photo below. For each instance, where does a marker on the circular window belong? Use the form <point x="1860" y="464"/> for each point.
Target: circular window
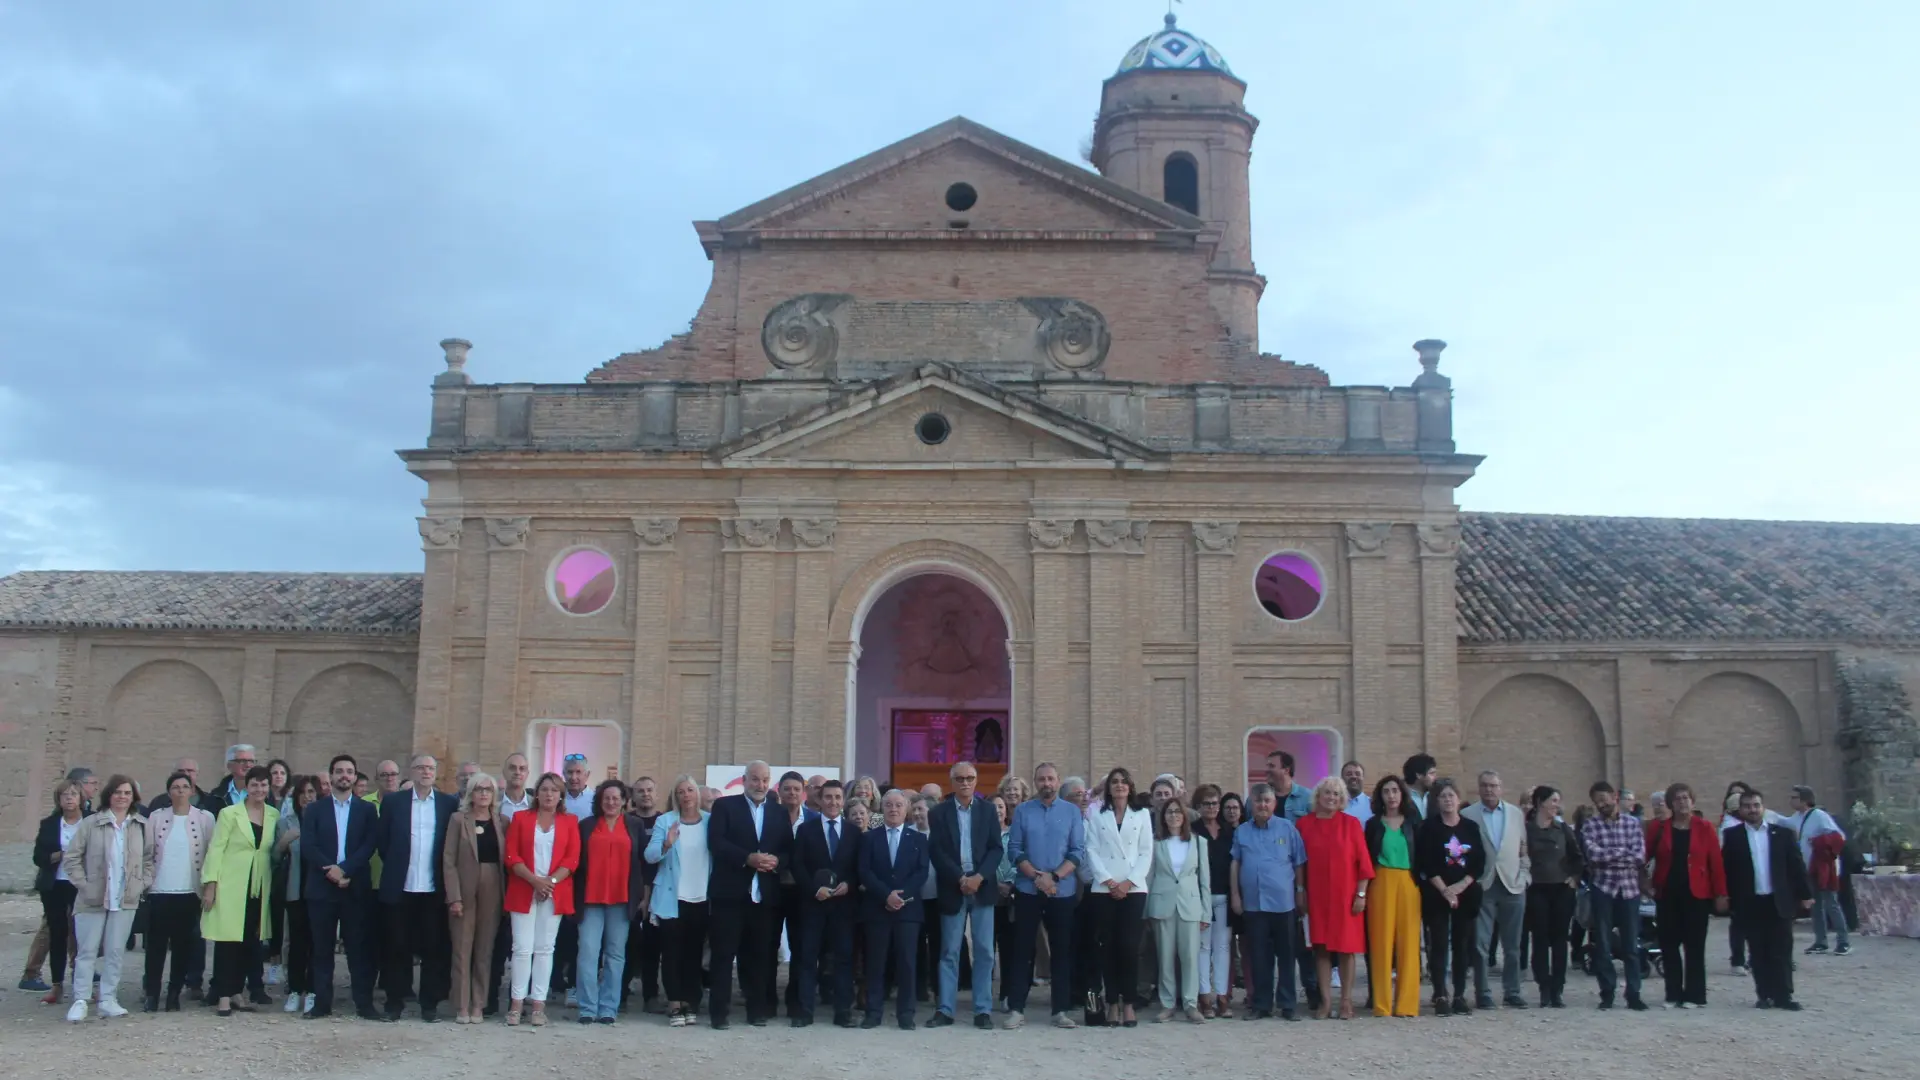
<point x="962" y="197"/>
<point x="582" y="581"/>
<point x="1289" y="586"/>
<point x="933" y="429"/>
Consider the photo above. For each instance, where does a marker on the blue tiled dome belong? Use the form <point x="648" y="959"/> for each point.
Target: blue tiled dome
<point x="1173" y="49"/>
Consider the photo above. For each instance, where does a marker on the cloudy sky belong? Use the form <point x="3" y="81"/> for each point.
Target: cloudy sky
<point x="1672" y="245"/>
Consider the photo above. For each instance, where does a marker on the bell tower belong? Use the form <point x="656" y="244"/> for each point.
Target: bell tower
<point x="1174" y="126"/>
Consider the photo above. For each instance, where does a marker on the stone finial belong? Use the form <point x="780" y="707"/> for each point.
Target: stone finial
<point x="456" y="350"/>
<point x="1430" y="350"/>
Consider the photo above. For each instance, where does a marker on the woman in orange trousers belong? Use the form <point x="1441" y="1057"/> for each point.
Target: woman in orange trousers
<point x="1393" y="905"/>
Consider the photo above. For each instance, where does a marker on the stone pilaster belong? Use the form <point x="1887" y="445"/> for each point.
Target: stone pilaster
<point x="750" y="542"/>
<point x="1440" y="643"/>
<point x="1214" y="547"/>
<point x="1114" y="628"/>
<point x="809" y="743"/>
<point x="500" y="663"/>
<point x="1044" y="736"/>
<point x="1371" y="739"/>
<point x="433" y="694"/>
<point x="653" y="741"/>
<point x="256" y="701"/>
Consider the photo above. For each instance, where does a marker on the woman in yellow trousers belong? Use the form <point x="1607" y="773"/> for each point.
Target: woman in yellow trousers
<point x="1393" y="904"/>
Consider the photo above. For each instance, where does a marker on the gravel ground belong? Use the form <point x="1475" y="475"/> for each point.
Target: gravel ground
<point x="1860" y="1020"/>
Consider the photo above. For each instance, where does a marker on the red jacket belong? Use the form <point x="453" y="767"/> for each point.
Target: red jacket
<point x="566" y="853"/>
<point x="1827" y="848"/>
<point x="1705" y="872"/>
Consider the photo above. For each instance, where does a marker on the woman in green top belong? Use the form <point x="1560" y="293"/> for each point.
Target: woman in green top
<point x="1393" y="904"/>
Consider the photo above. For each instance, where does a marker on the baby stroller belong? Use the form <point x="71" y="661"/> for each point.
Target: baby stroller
<point x="1645" y="952"/>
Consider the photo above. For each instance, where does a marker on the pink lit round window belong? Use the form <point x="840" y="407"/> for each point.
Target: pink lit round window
<point x="1289" y="586"/>
<point x="582" y="581"/>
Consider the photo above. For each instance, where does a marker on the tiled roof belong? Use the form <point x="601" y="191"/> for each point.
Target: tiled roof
<point x="384" y="604"/>
<point x="1537" y="577"/>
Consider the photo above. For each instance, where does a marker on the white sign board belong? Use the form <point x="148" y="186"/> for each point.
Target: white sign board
<point x="728" y="779"/>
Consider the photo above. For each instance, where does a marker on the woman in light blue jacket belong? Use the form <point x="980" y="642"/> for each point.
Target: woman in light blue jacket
<point x="679" y="903"/>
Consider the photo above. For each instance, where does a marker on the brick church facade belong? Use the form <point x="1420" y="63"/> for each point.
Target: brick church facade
<point x="971" y="451"/>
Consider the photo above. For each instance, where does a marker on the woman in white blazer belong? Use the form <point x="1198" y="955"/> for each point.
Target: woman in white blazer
<point x="1180" y="903"/>
<point x="1120" y="858"/>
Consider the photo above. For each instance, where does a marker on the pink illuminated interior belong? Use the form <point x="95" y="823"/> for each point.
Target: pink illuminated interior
<point x="1288" y="586"/>
<point x="583" y="582"/>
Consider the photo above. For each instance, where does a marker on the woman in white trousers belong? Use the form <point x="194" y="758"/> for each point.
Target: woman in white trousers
<point x="543" y="850"/>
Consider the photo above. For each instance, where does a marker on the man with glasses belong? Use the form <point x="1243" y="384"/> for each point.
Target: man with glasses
<point x="412" y="836"/>
<point x="966" y="853"/>
<point x="578" y="801"/>
<point x="239" y="759"/>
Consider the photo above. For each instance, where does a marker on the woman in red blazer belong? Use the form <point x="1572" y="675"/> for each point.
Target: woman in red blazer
<point x="543" y="851"/>
<point x="1688" y="884"/>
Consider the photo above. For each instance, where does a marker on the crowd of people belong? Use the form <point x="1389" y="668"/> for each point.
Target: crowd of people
<point x="1106" y="899"/>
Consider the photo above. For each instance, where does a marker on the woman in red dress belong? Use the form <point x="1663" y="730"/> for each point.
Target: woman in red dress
<point x="1337" y="871"/>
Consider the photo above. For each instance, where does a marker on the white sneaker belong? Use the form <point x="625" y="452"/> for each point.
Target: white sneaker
<point x="293" y="1003"/>
<point x="78" y="1012"/>
<point x="312" y="999"/>
<point x="109" y="1006"/>
<point x="273" y="974"/>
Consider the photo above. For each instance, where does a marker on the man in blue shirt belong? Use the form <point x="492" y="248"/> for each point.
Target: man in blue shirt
<point x="1046" y="845"/>
<point x="1262" y="889"/>
<point x="1295" y="801"/>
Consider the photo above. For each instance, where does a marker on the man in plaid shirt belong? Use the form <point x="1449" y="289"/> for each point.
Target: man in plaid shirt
<point x="1616" y="851"/>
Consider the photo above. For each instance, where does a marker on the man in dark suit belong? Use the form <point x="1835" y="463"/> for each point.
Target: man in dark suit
<point x="826" y="867"/>
<point x="893" y="868"/>
<point x="965" y="835"/>
<point x="336" y="886"/>
<point x="749" y="846"/>
<point x="412" y="834"/>
<point x="1767" y="884"/>
<point x="794" y="812"/>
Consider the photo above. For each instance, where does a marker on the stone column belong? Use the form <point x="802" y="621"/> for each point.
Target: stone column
<point x="1372" y="736"/>
<point x="751" y="540"/>
<point x="1115" y="717"/>
<point x="1044" y="735"/>
<point x="500" y="667"/>
<point x="1220" y="752"/>
<point x="809" y="743"/>
<point x="653" y="732"/>
<point x="433" y="693"/>
<point x="1440" y="643"/>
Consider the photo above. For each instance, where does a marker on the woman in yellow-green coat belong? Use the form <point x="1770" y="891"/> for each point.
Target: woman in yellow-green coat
<point x="234" y="884"/>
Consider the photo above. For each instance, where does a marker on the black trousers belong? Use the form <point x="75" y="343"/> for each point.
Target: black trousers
<point x="790" y="922"/>
<point x="1683" y="944"/>
<point x="299" y="943"/>
<point x="236" y="964"/>
<point x="57" y="905"/>
<point x="898" y="941"/>
<point x="566" y="956"/>
<point x="1769" y="937"/>
<point x="1270" y="953"/>
<point x="1118" y="925"/>
<point x="683" y="939"/>
<point x="417" y="921"/>
<point x="741" y="931"/>
<point x="1549" y="916"/>
<point x="342" y="918"/>
<point x="825" y="930"/>
<point x="646" y="937"/>
<point x="1083" y="963"/>
<point x="1451" y="934"/>
<point x="1030" y="911"/>
<point x="173" y="929"/>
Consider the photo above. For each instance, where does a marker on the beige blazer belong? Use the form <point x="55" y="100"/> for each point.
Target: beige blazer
<point x="460" y="858"/>
<point x="1509" y="865"/>
<point x="1183" y="895"/>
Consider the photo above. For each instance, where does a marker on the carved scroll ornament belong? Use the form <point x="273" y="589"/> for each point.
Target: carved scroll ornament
<point x="814" y="533"/>
<point x="508" y="533"/>
<point x="797" y="333"/>
<point x="656" y="532"/>
<point x="1049" y="535"/>
<point x="1073" y="335"/>
<point x="439" y="533"/>
<point x="1367" y="537"/>
<point x="1439" y="540"/>
<point x="1216" y="537"/>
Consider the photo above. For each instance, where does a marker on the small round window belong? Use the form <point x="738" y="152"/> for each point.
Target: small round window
<point x="582" y="581"/>
<point x="1289" y="586"/>
<point x="962" y="197"/>
<point x="933" y="429"/>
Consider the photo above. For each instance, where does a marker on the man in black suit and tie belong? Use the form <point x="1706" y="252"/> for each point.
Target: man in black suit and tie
<point x="1767" y="884"/>
<point x="826" y="867"/>
<point x="893" y="868"/>
<point x="791" y="794"/>
<point x="339" y="833"/>
<point x="965" y="835"/>
<point x="413" y="833"/>
<point x="749" y="845"/>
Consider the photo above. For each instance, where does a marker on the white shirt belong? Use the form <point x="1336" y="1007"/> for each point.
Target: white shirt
<point x="696" y="862"/>
<point x="1762" y="860"/>
<point x="1177" y="852"/>
<point x="1360" y="806"/>
<point x="175" y="874"/>
<point x="543" y="850"/>
<point x="510" y="807"/>
<point x="421" y="858"/>
<point x="67" y="829"/>
<point x="116" y="863"/>
<point x="580" y="806"/>
<point x="758" y="812"/>
<point x="342" y="813"/>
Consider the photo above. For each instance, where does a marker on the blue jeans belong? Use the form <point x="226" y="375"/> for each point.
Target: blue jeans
<point x="603" y="953"/>
<point x="1611" y="914"/>
<point x="1827" y="913"/>
<point x="978" y="910"/>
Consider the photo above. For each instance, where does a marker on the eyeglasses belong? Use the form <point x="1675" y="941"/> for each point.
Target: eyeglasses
<point x="243" y="761"/>
<point x="574" y="757"/>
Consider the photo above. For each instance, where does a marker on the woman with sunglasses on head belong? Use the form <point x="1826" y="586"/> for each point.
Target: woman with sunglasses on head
<point x="235" y="883"/>
<point x="110" y="862"/>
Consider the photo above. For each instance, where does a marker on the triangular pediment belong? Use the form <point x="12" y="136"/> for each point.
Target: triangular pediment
<point x="986" y="427"/>
<point x="903" y="188"/>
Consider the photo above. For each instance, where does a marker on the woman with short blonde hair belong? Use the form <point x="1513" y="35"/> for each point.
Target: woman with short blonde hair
<point x="678" y="847"/>
<point x="472" y="870"/>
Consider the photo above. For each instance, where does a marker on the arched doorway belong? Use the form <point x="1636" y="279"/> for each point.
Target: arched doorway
<point x="933" y="683"/>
